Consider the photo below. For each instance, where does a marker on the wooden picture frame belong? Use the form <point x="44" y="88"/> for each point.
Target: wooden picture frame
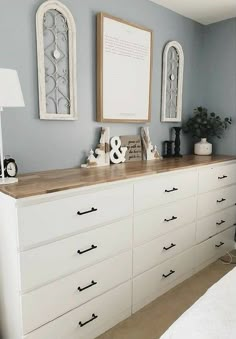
<point x="109" y="110"/>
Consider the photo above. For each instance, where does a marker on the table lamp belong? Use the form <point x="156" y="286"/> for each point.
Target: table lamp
<point x="10" y="96"/>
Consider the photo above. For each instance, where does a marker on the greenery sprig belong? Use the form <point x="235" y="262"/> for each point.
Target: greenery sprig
<point x="204" y="124"/>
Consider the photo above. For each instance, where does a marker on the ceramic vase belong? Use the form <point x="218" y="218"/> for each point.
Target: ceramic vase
<point x="203" y="147"/>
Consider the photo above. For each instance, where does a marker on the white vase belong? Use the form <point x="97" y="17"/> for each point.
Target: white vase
<point x="203" y="147"/>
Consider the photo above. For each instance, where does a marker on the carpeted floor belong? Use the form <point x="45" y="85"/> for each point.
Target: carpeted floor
<point x="153" y="320"/>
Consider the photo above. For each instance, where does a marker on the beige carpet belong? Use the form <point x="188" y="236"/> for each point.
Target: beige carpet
<point x="153" y="320"/>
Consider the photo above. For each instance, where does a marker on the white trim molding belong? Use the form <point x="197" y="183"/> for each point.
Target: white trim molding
<point x="72" y="78"/>
<point x="167" y="79"/>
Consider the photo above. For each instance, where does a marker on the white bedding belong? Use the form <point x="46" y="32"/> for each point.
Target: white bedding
<point x="213" y="316"/>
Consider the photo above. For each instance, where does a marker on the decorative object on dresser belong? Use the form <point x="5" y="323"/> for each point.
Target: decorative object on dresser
<point x="60" y="234"/>
<point x="203" y="126"/>
<point x="56" y="49"/>
<point x="10" y="167"/>
<point x="177" y="153"/>
<point x="124" y="70"/>
<point x="117" y="152"/>
<point x="168" y="148"/>
<point x="172" y="82"/>
<point x="133" y="145"/>
<point x="150" y="152"/>
<point x="102" y="152"/>
<point x="10" y="96"/>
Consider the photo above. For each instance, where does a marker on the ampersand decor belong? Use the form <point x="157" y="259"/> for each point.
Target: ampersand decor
<point x="117" y="153"/>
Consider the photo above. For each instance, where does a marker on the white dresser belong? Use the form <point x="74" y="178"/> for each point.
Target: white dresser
<point x="75" y="262"/>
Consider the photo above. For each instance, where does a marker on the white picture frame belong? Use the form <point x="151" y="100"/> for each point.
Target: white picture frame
<point x="165" y="117"/>
<point x="72" y="76"/>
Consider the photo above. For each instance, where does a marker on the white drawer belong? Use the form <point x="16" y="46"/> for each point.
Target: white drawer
<point x="50" y="220"/>
<point x="215" y="247"/>
<point x="151" y="284"/>
<point x="164" y="189"/>
<point x="47" y="263"/>
<point x="215" y="201"/>
<point x="161" y="220"/>
<point x="163" y="248"/>
<point x="55" y="299"/>
<point x="91" y="319"/>
<point x="216" y="177"/>
<point x="215" y="223"/>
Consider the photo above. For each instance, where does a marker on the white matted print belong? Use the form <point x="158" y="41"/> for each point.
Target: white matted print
<point x="124" y="70"/>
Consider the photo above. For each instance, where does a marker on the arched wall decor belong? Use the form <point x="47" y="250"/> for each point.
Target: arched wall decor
<point x="56" y="51"/>
<point x="172" y="82"/>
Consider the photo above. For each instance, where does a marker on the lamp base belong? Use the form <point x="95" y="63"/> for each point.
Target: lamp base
<point x="8" y="181"/>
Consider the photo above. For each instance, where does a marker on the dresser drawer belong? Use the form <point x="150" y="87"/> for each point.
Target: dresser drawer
<point x="55" y="299"/>
<point x="216" y="177"/>
<point x="165" y="219"/>
<point x="51" y="220"/>
<point x="215" y="223"/>
<point x="91" y="319"/>
<point x="215" y="201"/>
<point x="50" y="262"/>
<point x="163" y="248"/>
<point x="215" y="247"/>
<point x="164" y="189"/>
<point x="151" y="284"/>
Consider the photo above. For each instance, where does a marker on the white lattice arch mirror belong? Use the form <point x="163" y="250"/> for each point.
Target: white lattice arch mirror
<point x="56" y="50"/>
<point x="172" y="82"/>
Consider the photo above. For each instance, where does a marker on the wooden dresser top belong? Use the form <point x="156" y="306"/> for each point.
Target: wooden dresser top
<point x="58" y="180"/>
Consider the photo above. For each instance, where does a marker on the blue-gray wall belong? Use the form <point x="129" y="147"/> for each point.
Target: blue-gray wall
<point x="42" y="145"/>
<point x="219" y="78"/>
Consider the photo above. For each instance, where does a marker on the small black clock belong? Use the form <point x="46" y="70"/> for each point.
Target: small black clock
<point x="10" y="168"/>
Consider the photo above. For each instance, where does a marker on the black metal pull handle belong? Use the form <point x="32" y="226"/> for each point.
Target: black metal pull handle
<point x="171" y="219"/>
<point x="167" y="275"/>
<point x="93" y="283"/>
<point x="173" y="190"/>
<point x="223" y="177"/>
<point x="89" y="249"/>
<point x="221" y="222"/>
<point x="220" y="244"/>
<point x="168" y="248"/>
<point x="87" y="212"/>
<point x="221" y="200"/>
<point x="88" y="321"/>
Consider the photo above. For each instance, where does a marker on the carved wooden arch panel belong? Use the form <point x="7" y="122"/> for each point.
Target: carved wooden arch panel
<point x="56" y="51"/>
<point x="172" y="82"/>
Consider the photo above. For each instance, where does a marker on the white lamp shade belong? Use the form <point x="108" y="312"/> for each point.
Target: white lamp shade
<point x="10" y="89"/>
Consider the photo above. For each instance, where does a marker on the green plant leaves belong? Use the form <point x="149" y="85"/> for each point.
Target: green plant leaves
<point x="204" y="125"/>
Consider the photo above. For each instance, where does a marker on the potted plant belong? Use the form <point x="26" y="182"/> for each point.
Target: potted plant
<point x="203" y="126"/>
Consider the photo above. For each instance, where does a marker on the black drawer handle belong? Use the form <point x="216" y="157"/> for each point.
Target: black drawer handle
<point x="167" y="275"/>
<point x="93" y="283"/>
<point x="88" y="321"/>
<point x="173" y="190"/>
<point x="221" y="222"/>
<point x="223" y="177"/>
<point x="222" y="200"/>
<point x="89" y="249"/>
<point x="87" y="212"/>
<point x="168" y="248"/>
<point x="171" y="219"/>
<point x="220" y="244"/>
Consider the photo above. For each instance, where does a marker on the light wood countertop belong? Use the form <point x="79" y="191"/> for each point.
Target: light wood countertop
<point x="58" y="180"/>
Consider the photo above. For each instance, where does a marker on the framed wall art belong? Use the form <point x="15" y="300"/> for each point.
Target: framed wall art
<point x="172" y="82"/>
<point x="56" y="51"/>
<point x="124" y="70"/>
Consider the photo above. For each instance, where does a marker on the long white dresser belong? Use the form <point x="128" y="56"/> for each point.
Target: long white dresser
<point x="81" y="250"/>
